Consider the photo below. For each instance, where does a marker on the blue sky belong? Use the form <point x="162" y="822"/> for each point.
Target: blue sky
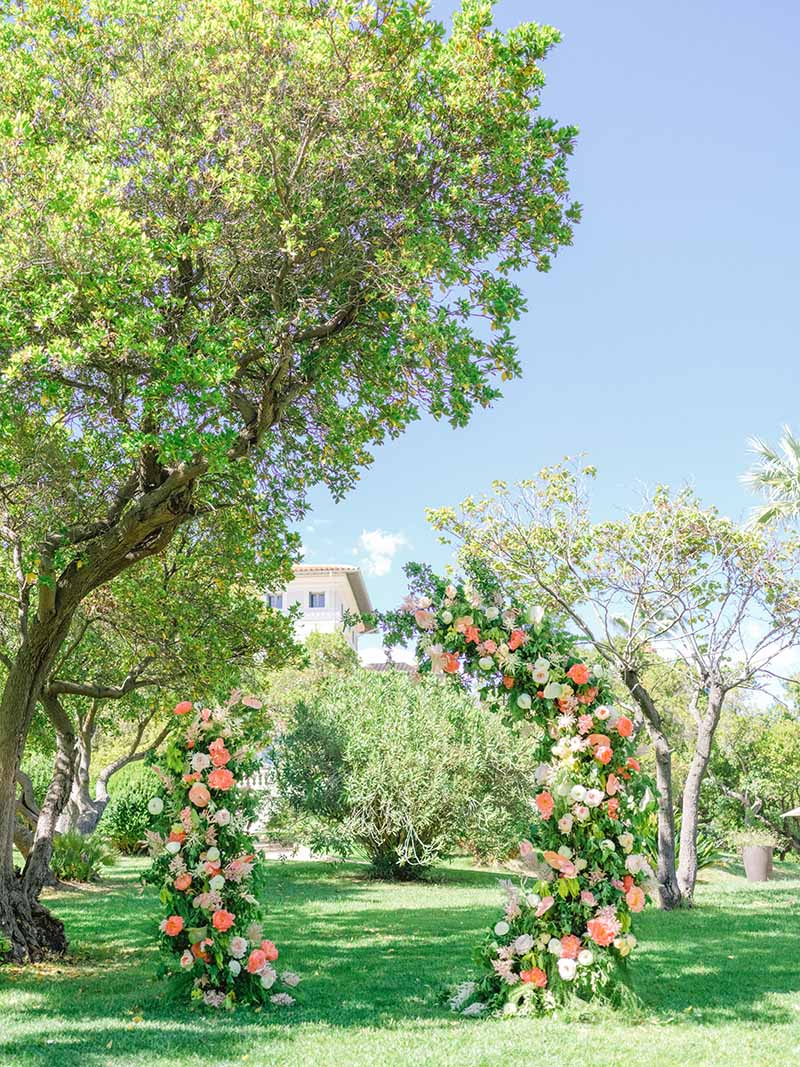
<point x="668" y="333"/>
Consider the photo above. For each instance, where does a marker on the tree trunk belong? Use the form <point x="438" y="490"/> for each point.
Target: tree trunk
<point x="27" y="925"/>
<point x="81" y="813"/>
<point x="36" y="872"/>
<point x="668" y="888"/>
<point x="706" y="727"/>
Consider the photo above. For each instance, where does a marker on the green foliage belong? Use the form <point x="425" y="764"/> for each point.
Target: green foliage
<point x="126" y="819"/>
<point x="711" y="850"/>
<point x="39" y="768"/>
<point x="405" y="768"/>
<point x="79" y="858"/>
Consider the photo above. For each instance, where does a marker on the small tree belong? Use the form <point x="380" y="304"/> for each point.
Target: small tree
<point x="402" y="767"/>
<point x="240" y="245"/>
<point x="673" y="580"/>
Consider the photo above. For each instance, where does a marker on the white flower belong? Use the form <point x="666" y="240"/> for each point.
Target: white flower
<point x="501" y="928"/>
<point x="626" y="840"/>
<point x="155" y="805"/>
<point x="492" y="613"/>
<point x="486" y="663"/>
<point x="523" y="944"/>
<point x="535" y="614"/>
<point x="540" y="675"/>
<point x="212" y="855"/>
<point x="447" y="617"/>
<point x="187" y="959"/>
<point x="173" y="847"/>
<point x="578" y="793"/>
<point x="567" y="969"/>
<point x="238" y="947"/>
<point x="290" y="978"/>
<point x="524" y="700"/>
<point x="594" y="797"/>
<point x="554" y="946"/>
<point x="552" y="691"/>
<point x="222" y="817"/>
<point x="234" y="967"/>
<point x="217" y="882"/>
<point x="533" y="900"/>
<point x="543" y="773"/>
<point x="585" y="957"/>
<point x="608" y="845"/>
<point x="200" y="761"/>
<point x="450" y="592"/>
<point x="268" y="977"/>
<point x="565" y="824"/>
<point x="565" y="851"/>
<point x="563" y="789"/>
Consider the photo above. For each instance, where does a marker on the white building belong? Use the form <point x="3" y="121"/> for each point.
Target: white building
<point x="324" y="592"/>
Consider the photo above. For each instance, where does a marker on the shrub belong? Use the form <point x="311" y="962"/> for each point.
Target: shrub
<point x="710" y="849"/>
<point x="79" y="859"/>
<point x="126" y="818"/>
<point x="406" y="768"/>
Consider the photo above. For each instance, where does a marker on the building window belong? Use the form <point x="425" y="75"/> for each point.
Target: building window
<point x="316" y="600"/>
<point x="275" y="600"/>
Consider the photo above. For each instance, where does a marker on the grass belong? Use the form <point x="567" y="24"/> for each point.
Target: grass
<point x="720" y="984"/>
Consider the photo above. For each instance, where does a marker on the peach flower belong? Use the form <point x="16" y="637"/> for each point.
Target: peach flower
<point x="184" y="707"/>
<point x="183" y="881"/>
<point x="219" y="753"/>
<point x="545" y="904"/>
<point x="601" y="932"/>
<point x="635" y="898"/>
<point x="612" y="785"/>
<point x="624" y="726"/>
<point x="173" y="925"/>
<point x="570" y="947"/>
<point x="603" y="755"/>
<point x="450" y="663"/>
<point x="517" y="638"/>
<point x="256" y="961"/>
<point x="269" y="950"/>
<point x="199" y="795"/>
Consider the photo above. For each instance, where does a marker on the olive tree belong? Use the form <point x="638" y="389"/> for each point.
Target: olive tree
<point x="240" y="246"/>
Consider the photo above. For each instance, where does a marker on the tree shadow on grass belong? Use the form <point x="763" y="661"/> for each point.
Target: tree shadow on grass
<point x="370" y="955"/>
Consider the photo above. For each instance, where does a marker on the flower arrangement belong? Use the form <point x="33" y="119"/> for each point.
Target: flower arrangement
<point x="566" y="929"/>
<point x="205" y="862"/>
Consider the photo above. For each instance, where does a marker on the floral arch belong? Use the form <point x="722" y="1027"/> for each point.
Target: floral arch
<point x="567" y="928"/>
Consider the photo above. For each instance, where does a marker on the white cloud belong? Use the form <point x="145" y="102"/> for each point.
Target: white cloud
<point x="376" y="550"/>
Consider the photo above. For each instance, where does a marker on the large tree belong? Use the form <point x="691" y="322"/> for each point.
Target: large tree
<point x="671" y="580"/>
<point x="240" y="245"/>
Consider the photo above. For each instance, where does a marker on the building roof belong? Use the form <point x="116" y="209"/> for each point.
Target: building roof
<point x="354" y="577"/>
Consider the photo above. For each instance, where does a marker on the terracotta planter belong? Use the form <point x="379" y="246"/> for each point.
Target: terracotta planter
<point x="757" y="861"/>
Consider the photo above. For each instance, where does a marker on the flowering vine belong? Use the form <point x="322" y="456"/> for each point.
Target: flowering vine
<point x="210" y="874"/>
<point x="566" y="928"/>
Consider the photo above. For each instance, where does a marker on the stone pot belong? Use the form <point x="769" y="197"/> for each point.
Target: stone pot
<point x="757" y="861"/>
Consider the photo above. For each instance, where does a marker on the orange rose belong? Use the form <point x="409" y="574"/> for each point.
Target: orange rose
<point x="517" y="638"/>
<point x="508" y="681"/>
<point x="221" y="778"/>
<point x="222" y="920"/>
<point x="545" y="804"/>
<point x="450" y="663"/>
<point x="183" y="881"/>
<point x="472" y="634"/>
<point x="256" y="961"/>
<point x="624" y="726"/>
<point x="599" y="739"/>
<point x="535" y="975"/>
<point x="173" y="925"/>
<point x="603" y="755"/>
<point x="578" y="673"/>
<point x="184" y="707"/>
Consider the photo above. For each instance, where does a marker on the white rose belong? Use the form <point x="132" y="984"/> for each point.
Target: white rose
<point x="594" y="797"/>
<point x="222" y="817"/>
<point x="268" y="977"/>
<point x="217" y="882"/>
<point x="447" y="617"/>
<point x="501" y="928"/>
<point x="486" y="663"/>
<point x="552" y="691"/>
<point x="200" y="761"/>
<point x="578" y="793"/>
<point x="554" y="946"/>
<point x="563" y="789"/>
<point x="524" y="700"/>
<point x="533" y="900"/>
<point x="567" y="969"/>
<point x="173" y="847"/>
<point x="523" y="944"/>
<point x="155" y="805"/>
<point x="543" y="773"/>
<point x="234" y="967"/>
<point x="540" y="675"/>
<point x="492" y="613"/>
<point x="626" y="840"/>
<point x="212" y="855"/>
<point x="535" y="614"/>
<point x="585" y="957"/>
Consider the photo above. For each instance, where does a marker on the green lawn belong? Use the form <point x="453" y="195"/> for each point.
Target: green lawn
<point x="720" y="985"/>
